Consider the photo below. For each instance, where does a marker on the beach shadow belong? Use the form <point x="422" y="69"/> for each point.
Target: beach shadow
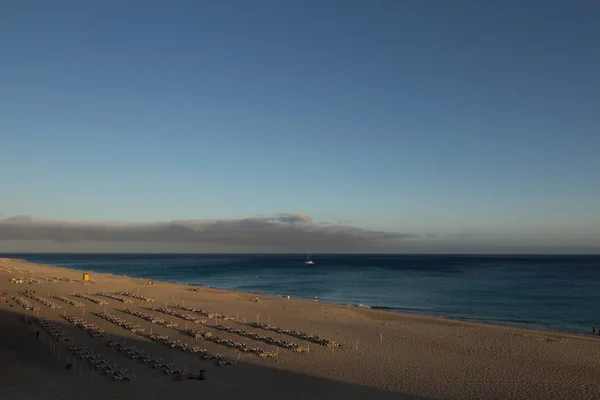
<point x="36" y="367"/>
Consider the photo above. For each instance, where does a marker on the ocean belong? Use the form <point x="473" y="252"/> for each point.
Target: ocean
<point x="557" y="293"/>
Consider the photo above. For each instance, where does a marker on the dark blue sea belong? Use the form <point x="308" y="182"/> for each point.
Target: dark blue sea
<point x="560" y="293"/>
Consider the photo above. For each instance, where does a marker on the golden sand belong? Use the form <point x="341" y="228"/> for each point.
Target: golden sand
<point x="382" y="355"/>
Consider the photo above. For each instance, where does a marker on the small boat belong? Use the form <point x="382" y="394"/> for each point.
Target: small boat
<point x="309" y="261"/>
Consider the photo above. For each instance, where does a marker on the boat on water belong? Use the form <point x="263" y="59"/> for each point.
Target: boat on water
<point x="309" y="261"/>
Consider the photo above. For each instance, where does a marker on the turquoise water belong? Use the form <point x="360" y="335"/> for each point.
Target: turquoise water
<point x="543" y="292"/>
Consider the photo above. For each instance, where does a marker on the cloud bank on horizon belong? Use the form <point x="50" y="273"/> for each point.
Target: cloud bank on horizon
<point x="280" y="232"/>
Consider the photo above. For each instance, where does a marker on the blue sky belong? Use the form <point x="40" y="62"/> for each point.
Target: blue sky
<point x="395" y="116"/>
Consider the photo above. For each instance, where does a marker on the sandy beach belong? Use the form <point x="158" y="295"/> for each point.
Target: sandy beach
<point x="380" y="354"/>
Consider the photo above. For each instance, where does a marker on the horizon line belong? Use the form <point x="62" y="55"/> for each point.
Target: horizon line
<point x="303" y="254"/>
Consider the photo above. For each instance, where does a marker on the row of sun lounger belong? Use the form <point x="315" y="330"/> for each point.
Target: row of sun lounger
<point x="10" y="269"/>
<point x="242" y="347"/>
<point x="39" y="279"/>
<point x="206" y="313"/>
<point x="102" y="365"/>
<point x="165" y="340"/>
<point x="69" y="301"/>
<point x="136" y="296"/>
<point x="146" y="316"/>
<point x="92" y="329"/>
<point x="55" y="279"/>
<point x="156" y="363"/>
<point x="55" y="330"/>
<point x="175" y="344"/>
<point x="178" y="314"/>
<point x="30" y="281"/>
<point x="265" y="339"/>
<point x="300" y="335"/>
<point x="178" y="344"/>
<point x="121" y="322"/>
<point x="93" y="299"/>
<point x="115" y="297"/>
<point x="42" y="300"/>
<point x="139" y="355"/>
<point x="23" y="303"/>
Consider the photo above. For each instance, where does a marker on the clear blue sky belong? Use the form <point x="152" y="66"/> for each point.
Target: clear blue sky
<point x="403" y="116"/>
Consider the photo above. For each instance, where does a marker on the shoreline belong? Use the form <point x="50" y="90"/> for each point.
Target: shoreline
<point x="375" y="309"/>
<point x="406" y="313"/>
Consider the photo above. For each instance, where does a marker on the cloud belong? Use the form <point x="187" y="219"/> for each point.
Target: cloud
<point x="280" y="232"/>
<point x="290" y="218"/>
<point x="449" y="235"/>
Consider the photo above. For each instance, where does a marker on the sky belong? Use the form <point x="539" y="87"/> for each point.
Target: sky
<point x="300" y="126"/>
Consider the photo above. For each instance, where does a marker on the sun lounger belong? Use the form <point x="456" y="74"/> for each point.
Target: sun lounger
<point x="221" y="361"/>
<point x="209" y="356"/>
<point x="120" y="377"/>
<point x="178" y="371"/>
